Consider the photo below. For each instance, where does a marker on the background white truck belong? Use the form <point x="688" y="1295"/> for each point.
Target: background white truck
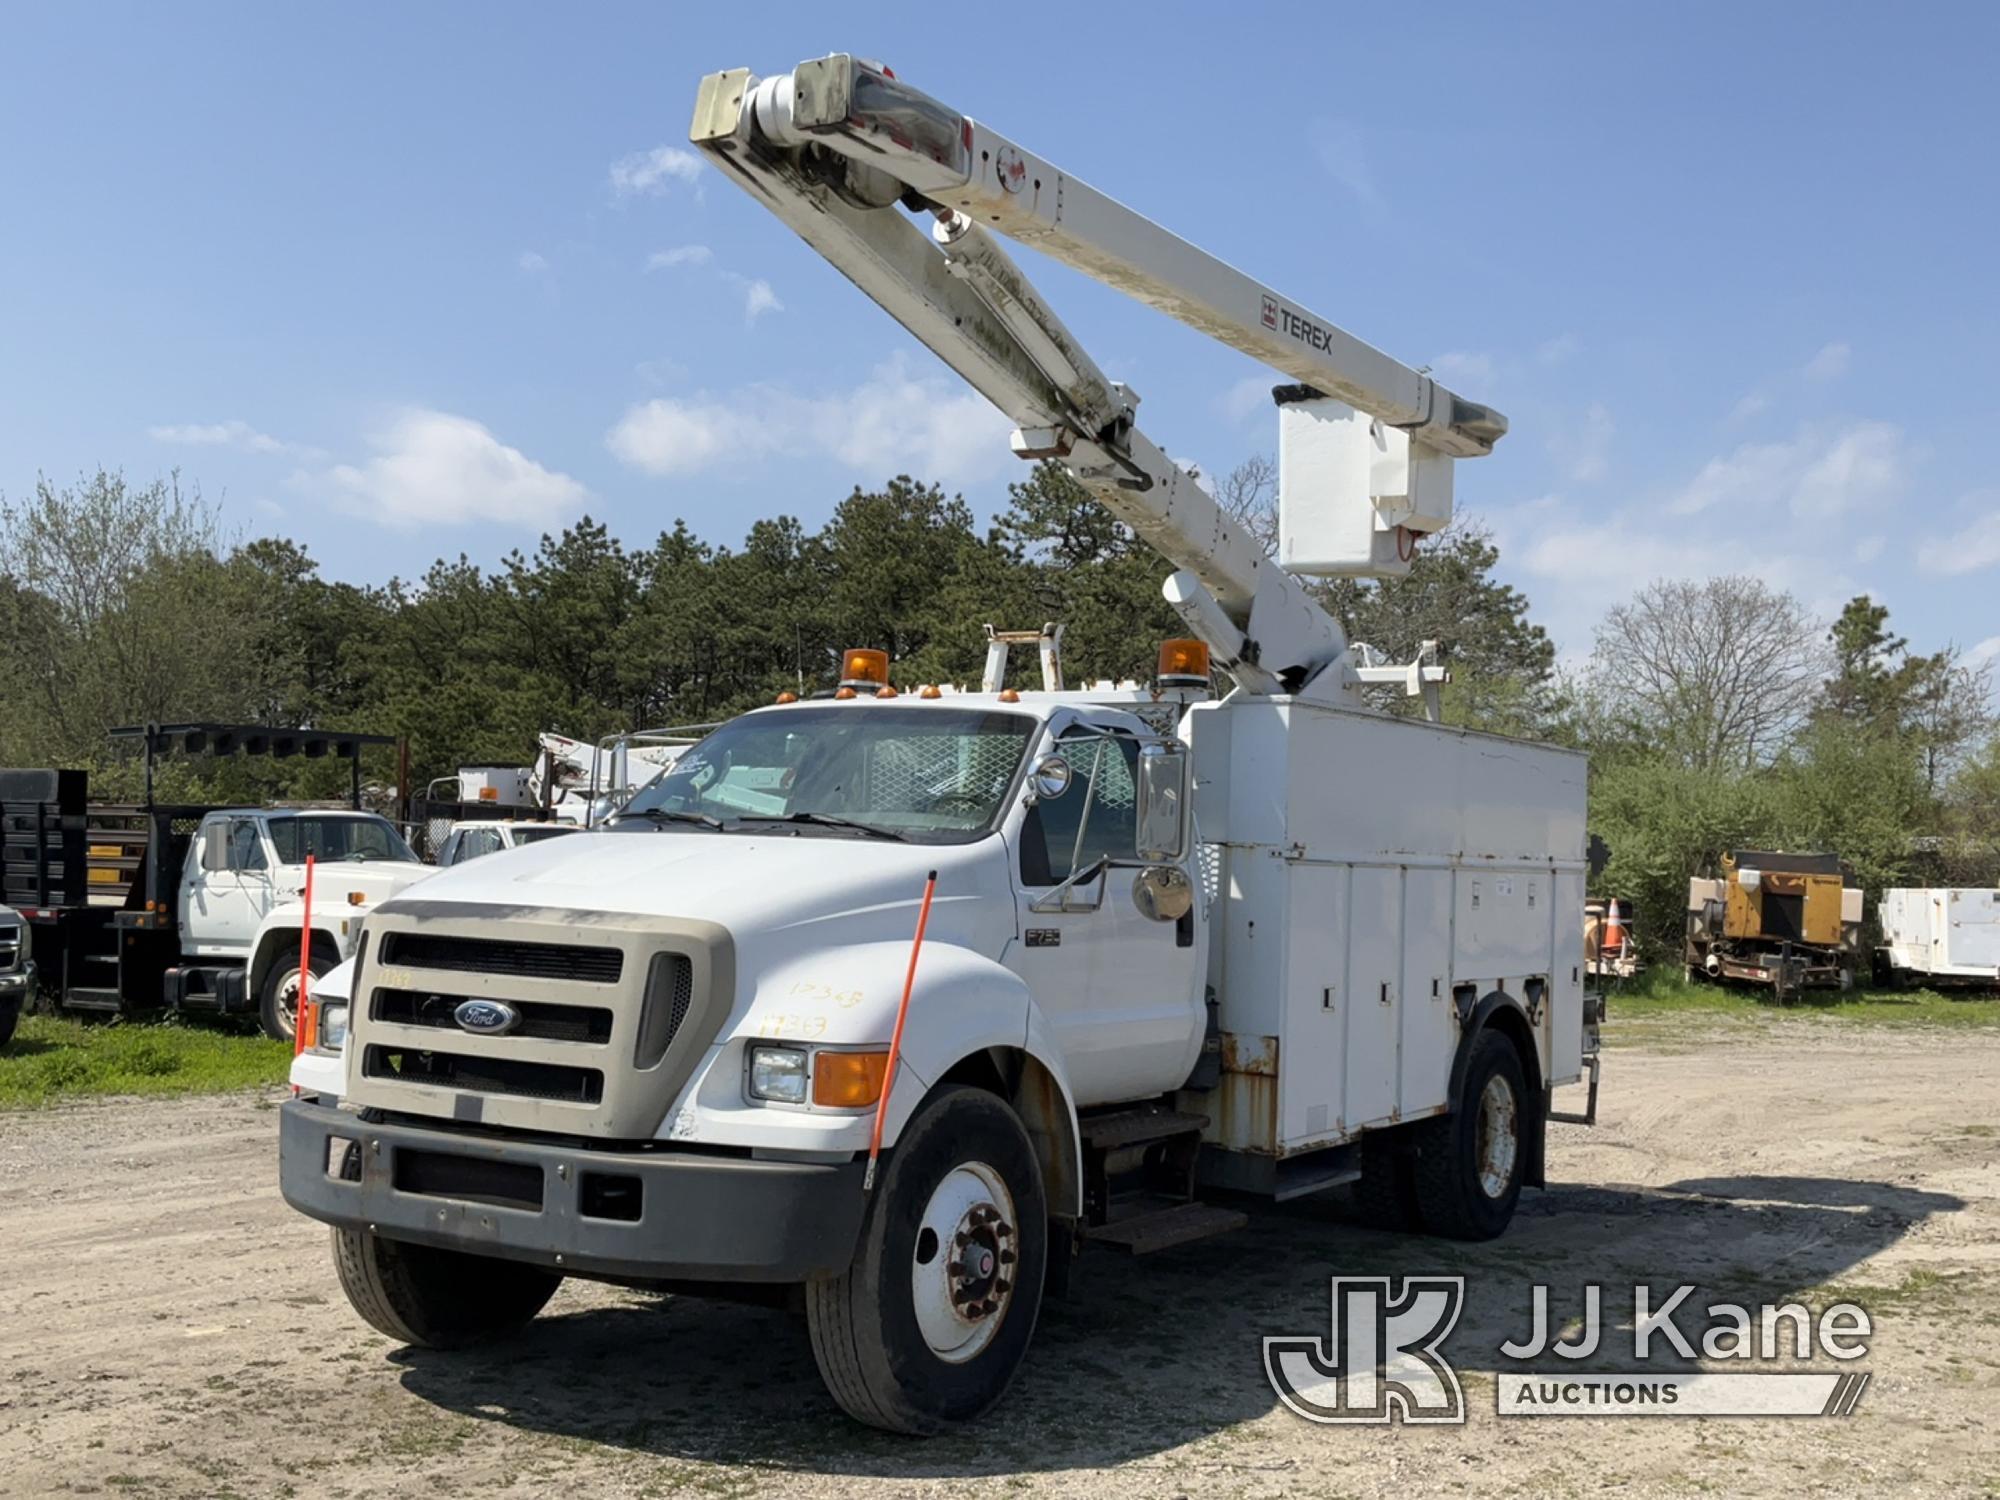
<point x="1269" y="944"/>
<point x="1941" y="935"/>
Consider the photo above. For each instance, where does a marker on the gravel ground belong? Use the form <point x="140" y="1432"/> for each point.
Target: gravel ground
<point x="170" y="1328"/>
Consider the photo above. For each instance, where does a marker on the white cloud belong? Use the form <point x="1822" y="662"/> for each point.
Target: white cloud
<point x="232" y="434"/>
<point x="1973" y="547"/>
<point x="1563" y="346"/>
<point x="1461" y="368"/>
<point x="1829" y="364"/>
<point x="891" y="423"/>
<point x="649" y="171"/>
<point x="1986" y="651"/>
<point x="431" y="467"/>
<point x="1753" y="405"/>
<point x="1584" y="449"/>
<point x="1826" y="470"/>
<point x="758" y="298"/>
<point x="1869" y="548"/>
<point x="680" y="255"/>
<point x="532" y="263"/>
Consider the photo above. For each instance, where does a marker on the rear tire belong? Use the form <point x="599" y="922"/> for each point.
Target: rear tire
<point x="1386" y="1196"/>
<point x="1469" y="1163"/>
<point x="437" y="1299"/>
<point x="909" y="1339"/>
<point x="10" y="1017"/>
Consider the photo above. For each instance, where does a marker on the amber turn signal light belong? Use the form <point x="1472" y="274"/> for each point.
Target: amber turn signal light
<point x="848" y="1080"/>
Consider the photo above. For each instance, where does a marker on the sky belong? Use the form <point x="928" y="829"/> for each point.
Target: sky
<point x="404" y="282"/>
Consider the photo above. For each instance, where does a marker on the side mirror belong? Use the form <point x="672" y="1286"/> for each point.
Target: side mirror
<point x="215" y="847"/>
<point x="1050" y="778"/>
<point x="1162" y="802"/>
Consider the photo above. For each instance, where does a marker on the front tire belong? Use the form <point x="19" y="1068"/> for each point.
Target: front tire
<point x="1469" y="1163"/>
<point x="278" y="1008"/>
<point x="437" y="1299"/>
<point x="928" y="1326"/>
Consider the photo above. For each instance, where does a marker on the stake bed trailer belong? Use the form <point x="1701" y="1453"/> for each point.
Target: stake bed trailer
<point x="1274" y="943"/>
<point x="158" y="905"/>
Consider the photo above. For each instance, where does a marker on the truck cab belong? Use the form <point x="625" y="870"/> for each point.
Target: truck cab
<point x="475" y="837"/>
<point x="240" y="906"/>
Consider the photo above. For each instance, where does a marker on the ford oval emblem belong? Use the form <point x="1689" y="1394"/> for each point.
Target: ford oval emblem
<point x="486" y="1017"/>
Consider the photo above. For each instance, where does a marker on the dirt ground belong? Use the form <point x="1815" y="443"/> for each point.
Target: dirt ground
<point x="169" y="1327"/>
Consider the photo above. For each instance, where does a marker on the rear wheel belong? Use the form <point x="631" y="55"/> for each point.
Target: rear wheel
<point x="437" y="1299"/>
<point x="279" y="1010"/>
<point x="1469" y="1163"/>
<point x="928" y="1325"/>
<point x="1386" y="1195"/>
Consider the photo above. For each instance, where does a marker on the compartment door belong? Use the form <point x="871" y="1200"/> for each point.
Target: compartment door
<point x="1374" y="996"/>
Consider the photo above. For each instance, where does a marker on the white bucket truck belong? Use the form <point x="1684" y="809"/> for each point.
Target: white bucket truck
<point x="1268" y="944"/>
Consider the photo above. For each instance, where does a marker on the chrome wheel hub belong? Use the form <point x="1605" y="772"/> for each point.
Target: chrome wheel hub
<point x="962" y="1272"/>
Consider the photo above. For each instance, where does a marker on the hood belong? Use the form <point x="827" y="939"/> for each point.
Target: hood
<point x="377" y="880"/>
<point x="778" y="885"/>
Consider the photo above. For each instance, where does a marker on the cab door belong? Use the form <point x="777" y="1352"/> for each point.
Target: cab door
<point x="228" y="895"/>
<point x="1122" y="991"/>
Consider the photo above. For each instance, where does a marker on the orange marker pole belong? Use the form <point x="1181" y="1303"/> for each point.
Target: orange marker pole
<point x="896" y="1036"/>
<point x="305" y="966"/>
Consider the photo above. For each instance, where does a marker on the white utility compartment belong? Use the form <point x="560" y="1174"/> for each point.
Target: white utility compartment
<point x="1374" y="878"/>
<point x="1943" y="932"/>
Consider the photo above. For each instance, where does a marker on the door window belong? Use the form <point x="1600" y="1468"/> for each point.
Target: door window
<point x="1050" y="849"/>
<point x="246" y="847"/>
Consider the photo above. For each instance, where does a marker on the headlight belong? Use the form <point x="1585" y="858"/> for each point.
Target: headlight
<point x="332" y="1027"/>
<point x="778" y="1074"/>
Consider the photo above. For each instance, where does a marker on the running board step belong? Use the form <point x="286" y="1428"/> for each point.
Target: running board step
<point x="1163" y="1228"/>
<point x="80" y="997"/>
<point x="1135" y="1127"/>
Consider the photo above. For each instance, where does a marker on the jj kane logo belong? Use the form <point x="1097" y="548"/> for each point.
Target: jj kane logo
<point x="1383" y="1359"/>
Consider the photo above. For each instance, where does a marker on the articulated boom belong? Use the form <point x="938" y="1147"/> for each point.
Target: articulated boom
<point x="836" y="147"/>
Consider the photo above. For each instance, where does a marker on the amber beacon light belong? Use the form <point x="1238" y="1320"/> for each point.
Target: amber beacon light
<point x="1183" y="663"/>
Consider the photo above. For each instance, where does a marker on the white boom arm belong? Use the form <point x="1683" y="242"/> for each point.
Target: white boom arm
<point x="1366" y="443"/>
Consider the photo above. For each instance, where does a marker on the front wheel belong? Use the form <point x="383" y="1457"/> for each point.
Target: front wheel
<point x="279" y="1010"/>
<point x="437" y="1299"/>
<point x="928" y="1325"/>
<point x="1469" y="1163"/>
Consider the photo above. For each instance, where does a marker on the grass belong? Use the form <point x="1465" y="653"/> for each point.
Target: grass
<point x="1663" y="993"/>
<point x="50" y="1060"/>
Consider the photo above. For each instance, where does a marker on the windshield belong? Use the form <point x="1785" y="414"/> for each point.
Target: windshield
<point x="923" y="774"/>
<point x="544" y="831"/>
<point x="352" y="838"/>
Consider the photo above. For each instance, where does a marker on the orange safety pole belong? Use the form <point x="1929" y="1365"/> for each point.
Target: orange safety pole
<point x="305" y="966"/>
<point x="896" y="1036"/>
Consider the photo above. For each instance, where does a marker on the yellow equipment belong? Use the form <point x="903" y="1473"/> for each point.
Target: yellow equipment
<point x="1790" y="921"/>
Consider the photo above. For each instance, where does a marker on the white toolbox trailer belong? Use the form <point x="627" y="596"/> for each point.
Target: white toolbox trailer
<point x="1941" y="934"/>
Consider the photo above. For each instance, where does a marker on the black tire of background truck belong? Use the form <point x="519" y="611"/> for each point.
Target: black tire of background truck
<point x="270" y="1008"/>
<point x="437" y="1299"/>
<point x="1446" y="1176"/>
<point x="1385" y="1196"/>
<point x="10" y="1017"/>
<point x="866" y="1339"/>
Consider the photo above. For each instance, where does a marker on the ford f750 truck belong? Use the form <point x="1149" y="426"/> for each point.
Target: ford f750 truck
<point x="900" y="997"/>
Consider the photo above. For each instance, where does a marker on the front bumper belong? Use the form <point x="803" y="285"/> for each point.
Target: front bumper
<point x="668" y="1215"/>
<point x="17" y="986"/>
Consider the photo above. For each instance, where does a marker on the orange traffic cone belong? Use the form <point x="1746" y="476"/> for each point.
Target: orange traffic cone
<point x="1614" y="930"/>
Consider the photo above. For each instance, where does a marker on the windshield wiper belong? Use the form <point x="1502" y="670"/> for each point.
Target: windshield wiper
<point x="827" y="820"/>
<point x="669" y="815"/>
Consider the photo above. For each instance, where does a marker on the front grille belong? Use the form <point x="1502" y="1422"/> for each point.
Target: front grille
<point x="539" y="1021"/>
<point x="584" y="963"/>
<point x="474" y="1179"/>
<point x="487" y="1075"/>
<point x="10" y="949"/>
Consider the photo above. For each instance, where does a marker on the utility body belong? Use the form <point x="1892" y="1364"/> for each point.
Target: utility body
<point x="1940" y="935"/>
<point x="1179" y="946"/>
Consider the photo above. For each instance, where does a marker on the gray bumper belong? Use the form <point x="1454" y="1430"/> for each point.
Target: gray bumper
<point x="17" y="987"/>
<point x="675" y="1215"/>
